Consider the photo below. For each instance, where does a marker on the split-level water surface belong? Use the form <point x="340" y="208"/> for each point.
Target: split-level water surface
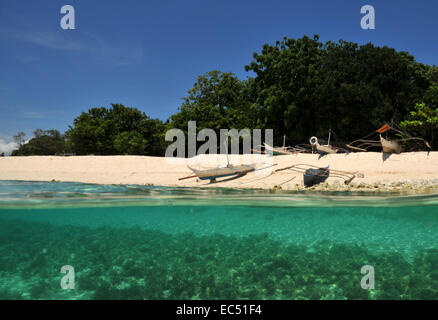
<point x="137" y="242"/>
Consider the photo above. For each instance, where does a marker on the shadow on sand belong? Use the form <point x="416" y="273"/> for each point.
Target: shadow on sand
<point x="386" y="156"/>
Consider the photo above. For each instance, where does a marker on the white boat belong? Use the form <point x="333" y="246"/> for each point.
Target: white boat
<point x="278" y="151"/>
<point x="389" y="146"/>
<point x="324" y="149"/>
<point x="222" y="171"/>
<point x="229" y="170"/>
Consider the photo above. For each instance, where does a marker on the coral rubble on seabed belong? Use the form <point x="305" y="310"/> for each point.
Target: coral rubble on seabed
<point x="415" y="187"/>
<point x="132" y="263"/>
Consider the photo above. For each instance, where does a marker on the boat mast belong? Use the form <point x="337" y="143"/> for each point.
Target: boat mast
<point x="226" y="150"/>
<point x="330" y="134"/>
<point x="284" y="141"/>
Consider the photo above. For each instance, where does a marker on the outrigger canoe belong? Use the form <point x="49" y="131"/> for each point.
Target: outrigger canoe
<point x="327" y="149"/>
<point x="406" y="142"/>
<point x="220" y="172"/>
<point x="276" y="151"/>
<point x="389" y="146"/>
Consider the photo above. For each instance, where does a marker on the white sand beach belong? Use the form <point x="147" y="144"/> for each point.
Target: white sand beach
<point x="400" y="171"/>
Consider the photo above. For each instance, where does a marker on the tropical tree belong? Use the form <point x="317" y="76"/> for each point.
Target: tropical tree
<point x="117" y="130"/>
<point x="217" y="101"/>
<point x="130" y="142"/>
<point x="423" y="119"/>
<point x="44" y="142"/>
<point x="305" y="87"/>
<point x="19" y="138"/>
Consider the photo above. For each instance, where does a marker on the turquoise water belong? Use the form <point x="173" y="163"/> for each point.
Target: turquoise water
<point x="137" y="242"/>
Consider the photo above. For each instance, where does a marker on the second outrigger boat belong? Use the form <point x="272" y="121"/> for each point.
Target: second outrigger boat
<point x="322" y="149"/>
<point x="388" y="145"/>
<point x="325" y="149"/>
<point x="279" y="151"/>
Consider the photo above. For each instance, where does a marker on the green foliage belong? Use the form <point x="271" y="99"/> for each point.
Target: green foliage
<point x="431" y="95"/>
<point x="131" y="142"/>
<point x="118" y="130"/>
<point x="305" y="87"/>
<point x="217" y="101"/>
<point x="302" y="87"/>
<point x="423" y="120"/>
<point x="45" y="142"/>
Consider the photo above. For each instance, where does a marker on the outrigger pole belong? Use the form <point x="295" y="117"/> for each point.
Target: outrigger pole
<point x="347" y="176"/>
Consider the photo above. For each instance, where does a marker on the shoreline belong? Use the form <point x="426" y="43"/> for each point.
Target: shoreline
<point x="405" y="174"/>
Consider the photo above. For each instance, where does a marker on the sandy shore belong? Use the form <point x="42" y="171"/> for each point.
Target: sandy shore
<point x="408" y="172"/>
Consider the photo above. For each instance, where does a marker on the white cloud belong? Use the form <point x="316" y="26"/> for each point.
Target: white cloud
<point x="33" y="114"/>
<point x="117" y="52"/>
<point x="7" y="147"/>
<point x="49" y="40"/>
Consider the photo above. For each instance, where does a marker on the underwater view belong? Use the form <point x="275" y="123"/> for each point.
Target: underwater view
<point x="139" y="242"/>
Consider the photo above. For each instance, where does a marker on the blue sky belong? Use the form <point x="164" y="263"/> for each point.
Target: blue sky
<point x="147" y="54"/>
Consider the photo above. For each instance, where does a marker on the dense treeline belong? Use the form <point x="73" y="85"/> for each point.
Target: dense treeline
<point x="118" y="130"/>
<point x="44" y="142"/>
<point x="302" y="87"/>
<point x="305" y="87"/>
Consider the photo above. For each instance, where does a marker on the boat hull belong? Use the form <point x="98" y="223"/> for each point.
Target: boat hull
<point x="212" y="174"/>
<point x="277" y="151"/>
<point x="390" y="146"/>
<point x="325" y="149"/>
<point x="315" y="176"/>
